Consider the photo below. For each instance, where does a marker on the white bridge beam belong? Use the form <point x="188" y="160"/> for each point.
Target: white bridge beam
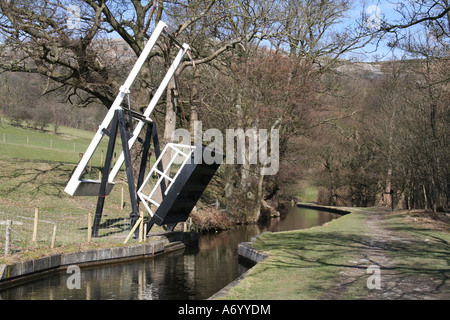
<point x="77" y="186"/>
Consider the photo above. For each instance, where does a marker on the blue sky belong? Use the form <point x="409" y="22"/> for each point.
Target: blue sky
<point x="375" y="9"/>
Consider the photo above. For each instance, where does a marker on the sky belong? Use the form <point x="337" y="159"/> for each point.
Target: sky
<point x="376" y="11"/>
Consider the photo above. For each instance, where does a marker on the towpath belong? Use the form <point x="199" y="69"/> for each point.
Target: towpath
<point x="397" y="253"/>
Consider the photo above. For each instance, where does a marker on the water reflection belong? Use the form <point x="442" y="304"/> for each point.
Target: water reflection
<point x="193" y="274"/>
<point x="298" y="218"/>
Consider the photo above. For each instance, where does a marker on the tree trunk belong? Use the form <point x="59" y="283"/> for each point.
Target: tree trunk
<point x="169" y="127"/>
<point x="387" y="195"/>
<point x="194" y="101"/>
<point x="171" y="110"/>
<point x="425" y="197"/>
<point x="259" y="197"/>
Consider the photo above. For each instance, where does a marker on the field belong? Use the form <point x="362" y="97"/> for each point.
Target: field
<point x="36" y="167"/>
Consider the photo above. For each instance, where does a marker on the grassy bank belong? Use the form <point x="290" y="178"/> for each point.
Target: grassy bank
<point x="28" y="144"/>
<point x="308" y="193"/>
<point x="308" y="264"/>
<point x="302" y="264"/>
<point x="36" y="167"/>
<point x="29" y="184"/>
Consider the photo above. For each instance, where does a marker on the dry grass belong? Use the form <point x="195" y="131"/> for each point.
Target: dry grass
<point x="426" y="219"/>
<point x="209" y="219"/>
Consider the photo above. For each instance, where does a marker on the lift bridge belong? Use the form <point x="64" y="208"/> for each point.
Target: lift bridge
<point x="172" y="187"/>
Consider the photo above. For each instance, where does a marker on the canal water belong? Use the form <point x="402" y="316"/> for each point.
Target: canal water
<point x="192" y="274"/>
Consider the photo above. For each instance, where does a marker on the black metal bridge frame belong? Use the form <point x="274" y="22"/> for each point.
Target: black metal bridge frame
<point x="119" y="123"/>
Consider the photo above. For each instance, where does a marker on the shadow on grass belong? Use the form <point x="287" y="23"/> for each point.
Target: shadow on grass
<point x="393" y="224"/>
<point x="323" y="248"/>
<point x="320" y="256"/>
<point x="35" y="180"/>
<point x="113" y="226"/>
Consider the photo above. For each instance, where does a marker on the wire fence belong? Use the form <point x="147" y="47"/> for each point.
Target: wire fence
<point x="23" y="229"/>
<point x="56" y="143"/>
<point x="34" y="229"/>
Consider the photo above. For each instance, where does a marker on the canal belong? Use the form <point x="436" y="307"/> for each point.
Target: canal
<point x="192" y="274"/>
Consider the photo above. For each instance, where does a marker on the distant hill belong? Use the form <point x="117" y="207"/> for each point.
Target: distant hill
<point x="364" y="69"/>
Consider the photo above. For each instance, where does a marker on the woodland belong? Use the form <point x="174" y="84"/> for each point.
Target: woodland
<point x="364" y="133"/>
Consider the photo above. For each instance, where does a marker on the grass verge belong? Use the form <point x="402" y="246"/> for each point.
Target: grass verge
<point x="307" y="264"/>
<point x="426" y="250"/>
<point x="34" y="175"/>
<point x="302" y="264"/>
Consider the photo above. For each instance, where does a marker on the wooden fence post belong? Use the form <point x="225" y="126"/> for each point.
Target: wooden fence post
<point x="36" y="217"/>
<point x="8" y="236"/>
<point x="136" y="225"/>
<point x="89" y="226"/>
<point x="141" y="227"/>
<point x="9" y="224"/>
<point x="53" y="237"/>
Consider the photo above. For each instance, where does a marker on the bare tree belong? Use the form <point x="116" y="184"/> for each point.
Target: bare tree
<point x="37" y="38"/>
<point x="433" y="13"/>
<point x="315" y="29"/>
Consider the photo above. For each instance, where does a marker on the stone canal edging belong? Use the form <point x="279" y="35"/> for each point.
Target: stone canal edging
<point x="11" y="274"/>
<point x="313" y="206"/>
<point x="248" y="255"/>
